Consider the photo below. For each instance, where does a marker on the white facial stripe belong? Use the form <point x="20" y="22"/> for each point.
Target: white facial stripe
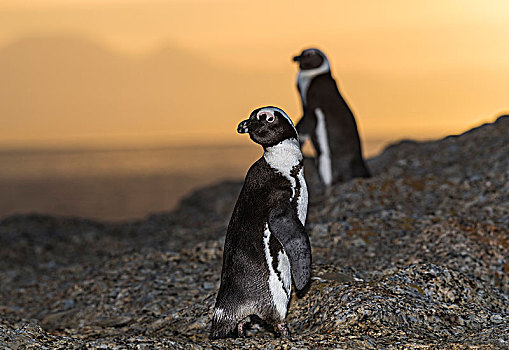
<point x="271" y="112"/>
<point x="324" y="161"/>
<point x="324" y="67"/>
<point x="266" y="111"/>
<point x="305" y="76"/>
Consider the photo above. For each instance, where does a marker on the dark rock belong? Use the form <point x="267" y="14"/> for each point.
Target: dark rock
<point x="414" y="257"/>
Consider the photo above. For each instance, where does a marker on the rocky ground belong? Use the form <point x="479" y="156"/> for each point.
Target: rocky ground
<point x="415" y="257"/>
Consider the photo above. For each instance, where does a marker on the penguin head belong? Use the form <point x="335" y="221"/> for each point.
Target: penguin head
<point x="268" y="126"/>
<point x="312" y="59"/>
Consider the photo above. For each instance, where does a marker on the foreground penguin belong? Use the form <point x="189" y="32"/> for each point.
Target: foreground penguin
<point x="266" y="244"/>
<point x="328" y="120"/>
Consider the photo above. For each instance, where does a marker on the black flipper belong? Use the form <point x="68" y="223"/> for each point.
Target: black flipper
<point x="306" y="126"/>
<point x="286" y="226"/>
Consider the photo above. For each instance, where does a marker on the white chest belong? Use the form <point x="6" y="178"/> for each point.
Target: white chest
<point x="283" y="158"/>
<point x="305" y="76"/>
<point x="303" y="82"/>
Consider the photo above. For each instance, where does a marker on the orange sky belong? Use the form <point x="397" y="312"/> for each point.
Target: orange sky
<point x="408" y="69"/>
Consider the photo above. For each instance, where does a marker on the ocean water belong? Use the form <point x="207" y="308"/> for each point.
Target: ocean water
<point x="116" y="184"/>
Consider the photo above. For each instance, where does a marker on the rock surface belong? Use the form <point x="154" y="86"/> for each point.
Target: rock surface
<point x="415" y="257"/>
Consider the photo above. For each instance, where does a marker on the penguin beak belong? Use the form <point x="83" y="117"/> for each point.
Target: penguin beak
<point x="243" y="127"/>
<point x="296" y="58"/>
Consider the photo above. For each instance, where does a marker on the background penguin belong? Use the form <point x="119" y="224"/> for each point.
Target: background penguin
<point x="266" y="243"/>
<point x="328" y="120"/>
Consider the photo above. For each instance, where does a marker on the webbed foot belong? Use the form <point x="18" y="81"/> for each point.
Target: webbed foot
<point x="283" y="331"/>
<point x="241" y="332"/>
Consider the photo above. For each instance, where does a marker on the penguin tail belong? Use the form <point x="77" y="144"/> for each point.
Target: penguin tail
<point x="222" y="327"/>
<point x="222" y="330"/>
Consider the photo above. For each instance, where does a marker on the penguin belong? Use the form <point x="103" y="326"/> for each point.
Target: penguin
<point x="266" y="245"/>
<point x="328" y="121"/>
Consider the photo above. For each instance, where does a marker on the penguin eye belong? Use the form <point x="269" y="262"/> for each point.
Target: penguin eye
<point x="270" y="118"/>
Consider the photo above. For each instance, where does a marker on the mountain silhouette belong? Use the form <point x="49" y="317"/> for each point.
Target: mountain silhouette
<point x="71" y="87"/>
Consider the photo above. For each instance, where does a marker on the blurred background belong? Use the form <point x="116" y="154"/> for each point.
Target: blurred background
<point x="114" y="109"/>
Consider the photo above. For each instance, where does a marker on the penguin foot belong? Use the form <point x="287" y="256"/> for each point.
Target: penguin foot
<point x="241" y="332"/>
<point x="283" y="330"/>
